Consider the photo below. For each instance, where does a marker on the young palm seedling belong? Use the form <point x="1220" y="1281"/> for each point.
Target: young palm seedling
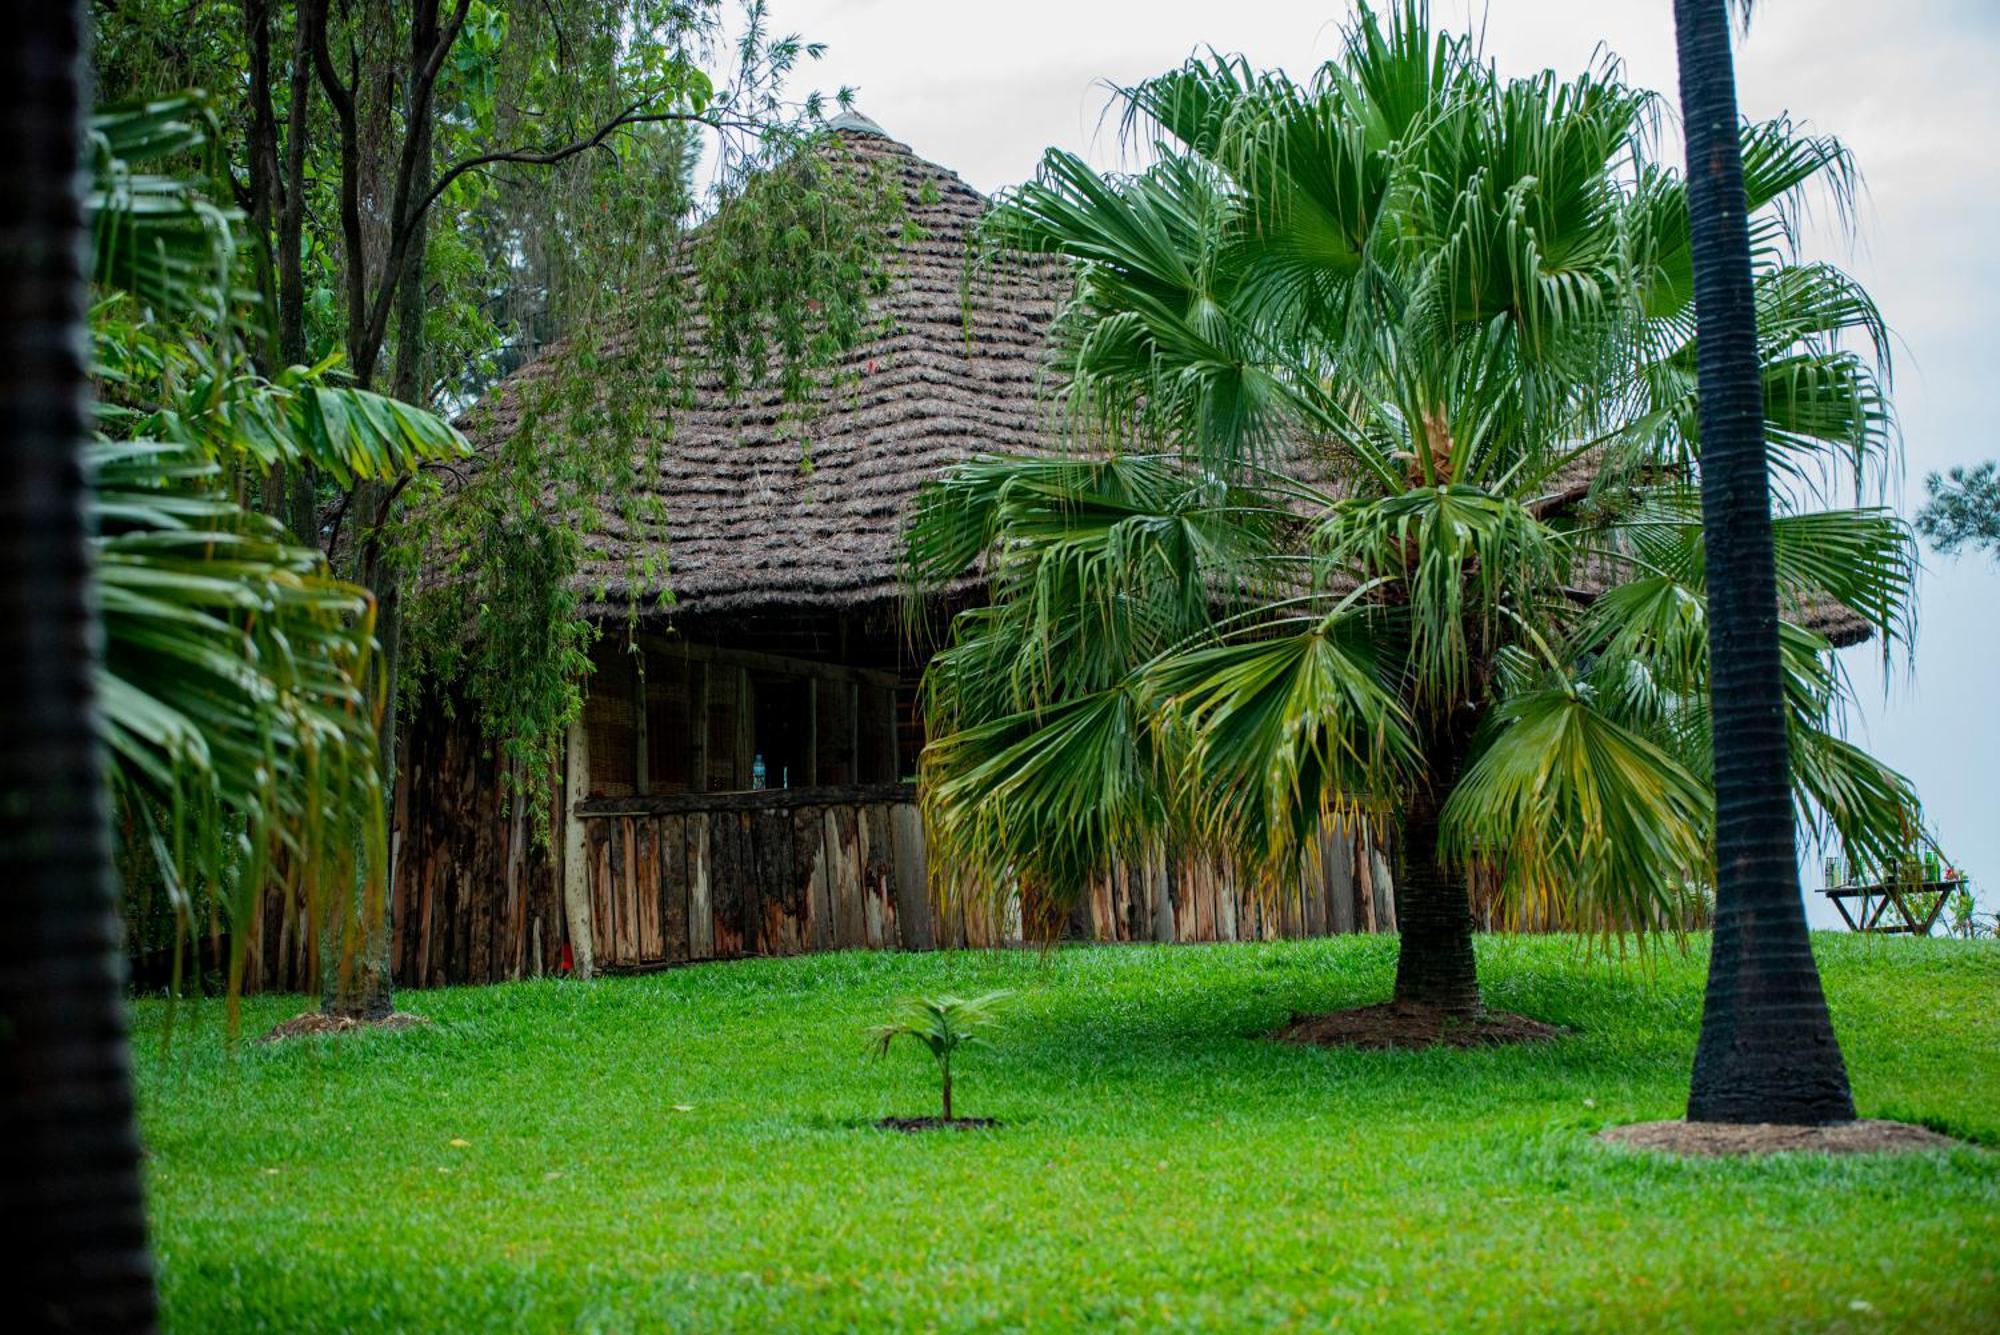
<point x="943" y="1025"/>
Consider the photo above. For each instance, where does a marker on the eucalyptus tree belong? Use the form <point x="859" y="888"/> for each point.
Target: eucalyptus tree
<point x="1382" y="397"/>
<point x="435" y="190"/>
<point x="1963" y="510"/>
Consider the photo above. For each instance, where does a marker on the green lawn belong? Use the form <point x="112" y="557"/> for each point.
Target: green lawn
<point x="1161" y="1163"/>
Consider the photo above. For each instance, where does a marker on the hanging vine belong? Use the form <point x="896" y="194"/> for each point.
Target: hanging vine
<point x="768" y="293"/>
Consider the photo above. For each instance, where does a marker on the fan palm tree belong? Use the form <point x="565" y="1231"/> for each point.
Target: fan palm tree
<point x="69" y="1153"/>
<point x="1767" y="1051"/>
<point x="1383" y="503"/>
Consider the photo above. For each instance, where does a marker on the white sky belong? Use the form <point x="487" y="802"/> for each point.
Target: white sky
<point x="983" y="88"/>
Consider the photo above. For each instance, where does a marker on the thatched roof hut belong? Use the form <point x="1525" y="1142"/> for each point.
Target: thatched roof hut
<point x="740" y="783"/>
<point x="772" y="510"/>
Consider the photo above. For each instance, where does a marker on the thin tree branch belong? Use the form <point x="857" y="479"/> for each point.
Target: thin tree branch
<point x="632" y="115"/>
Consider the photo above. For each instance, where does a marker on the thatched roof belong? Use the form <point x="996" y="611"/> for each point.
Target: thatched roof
<point x="749" y="526"/>
<point x="1837" y="621"/>
<point x="749" y="530"/>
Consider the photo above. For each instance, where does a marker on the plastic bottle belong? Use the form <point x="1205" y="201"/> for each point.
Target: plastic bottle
<point x="757" y="771"/>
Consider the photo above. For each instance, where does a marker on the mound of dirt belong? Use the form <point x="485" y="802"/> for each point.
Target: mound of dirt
<point x="315" y="1022"/>
<point x="915" y="1124"/>
<point x="1867" y="1136"/>
<point x="1392" y="1026"/>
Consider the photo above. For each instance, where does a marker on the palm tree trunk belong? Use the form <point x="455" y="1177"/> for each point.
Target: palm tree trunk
<point x="69" y="1153"/>
<point x="945" y="1067"/>
<point x="1767" y="1051"/>
<point x="1435" y="964"/>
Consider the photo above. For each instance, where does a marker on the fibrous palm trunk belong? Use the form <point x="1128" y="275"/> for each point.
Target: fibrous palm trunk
<point x="1435" y="963"/>
<point x="1767" y="1052"/>
<point x="69" y="1154"/>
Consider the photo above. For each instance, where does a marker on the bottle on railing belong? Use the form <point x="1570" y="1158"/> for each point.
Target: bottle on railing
<point x="757" y="771"/>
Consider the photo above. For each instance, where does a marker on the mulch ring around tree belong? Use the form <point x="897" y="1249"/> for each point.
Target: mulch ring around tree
<point x="316" y="1022"/>
<point x="912" y="1125"/>
<point x="1867" y="1136"/>
<point x="1389" y="1026"/>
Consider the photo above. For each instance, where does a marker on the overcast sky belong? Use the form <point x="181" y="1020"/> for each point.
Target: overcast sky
<point x="983" y="88"/>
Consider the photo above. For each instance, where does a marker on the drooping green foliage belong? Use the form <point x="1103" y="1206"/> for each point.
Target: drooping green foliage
<point x="445" y="191"/>
<point x="1405" y="357"/>
<point x="238" y="692"/>
<point x="768" y="291"/>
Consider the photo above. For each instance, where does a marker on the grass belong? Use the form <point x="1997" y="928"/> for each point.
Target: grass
<point x="692" y="1148"/>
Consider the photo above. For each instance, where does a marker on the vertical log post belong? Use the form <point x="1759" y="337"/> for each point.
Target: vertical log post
<point x="576" y="867"/>
<point x="701" y="912"/>
<point x="698" y="726"/>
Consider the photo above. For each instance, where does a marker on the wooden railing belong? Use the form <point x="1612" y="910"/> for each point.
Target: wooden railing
<point x="711" y="876"/>
<point x="777" y="872"/>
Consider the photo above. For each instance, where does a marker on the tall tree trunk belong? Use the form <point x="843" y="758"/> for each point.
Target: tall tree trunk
<point x="69" y="1153"/>
<point x="301" y="487"/>
<point x="262" y="149"/>
<point x="368" y="990"/>
<point x="1767" y="1052"/>
<point x="265" y="210"/>
<point x="1435" y="963"/>
<point x="361" y="982"/>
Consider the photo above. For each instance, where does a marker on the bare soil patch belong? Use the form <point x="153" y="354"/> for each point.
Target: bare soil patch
<point x="913" y="1125"/>
<point x="1867" y="1136"/>
<point x="1388" y="1026"/>
<point x="313" y="1022"/>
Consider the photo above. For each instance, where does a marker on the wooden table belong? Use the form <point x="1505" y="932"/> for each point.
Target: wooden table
<point x="1916" y="905"/>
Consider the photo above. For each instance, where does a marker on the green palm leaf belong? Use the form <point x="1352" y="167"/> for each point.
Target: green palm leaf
<point x="238" y="696"/>
<point x="1585" y="820"/>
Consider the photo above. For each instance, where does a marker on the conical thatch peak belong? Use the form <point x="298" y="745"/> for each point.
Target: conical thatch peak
<point x="853" y="122"/>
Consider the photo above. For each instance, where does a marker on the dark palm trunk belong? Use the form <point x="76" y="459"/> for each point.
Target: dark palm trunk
<point x="69" y="1154"/>
<point x="1767" y="1051"/>
<point x="1435" y="964"/>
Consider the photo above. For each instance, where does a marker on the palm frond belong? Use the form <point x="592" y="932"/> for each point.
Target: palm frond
<point x="1434" y="296"/>
<point x="1285" y="731"/>
<point x="239" y="694"/>
<point x="1584" y="819"/>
